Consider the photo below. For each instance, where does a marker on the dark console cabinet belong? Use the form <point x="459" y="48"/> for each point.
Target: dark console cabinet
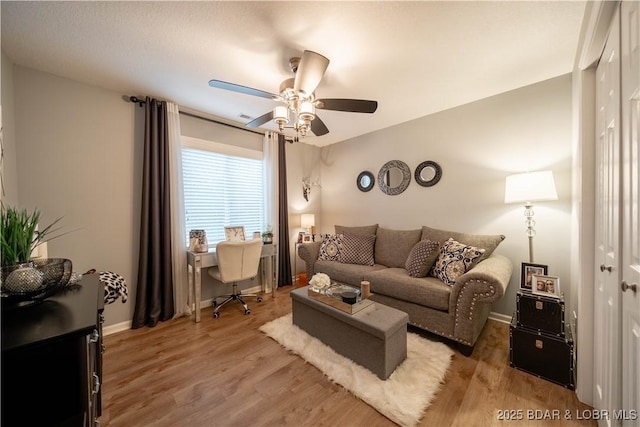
<point x="52" y="359"/>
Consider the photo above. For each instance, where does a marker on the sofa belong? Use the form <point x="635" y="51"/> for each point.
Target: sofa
<point x="445" y="281"/>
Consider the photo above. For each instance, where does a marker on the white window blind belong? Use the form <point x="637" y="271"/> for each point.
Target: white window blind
<point x="222" y="190"/>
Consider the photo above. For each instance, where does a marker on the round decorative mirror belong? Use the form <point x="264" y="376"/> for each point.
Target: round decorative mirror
<point x="365" y="181"/>
<point x="428" y="173"/>
<point x="394" y="177"/>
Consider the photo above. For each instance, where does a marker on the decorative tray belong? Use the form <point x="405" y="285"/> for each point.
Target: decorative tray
<point x="333" y="296"/>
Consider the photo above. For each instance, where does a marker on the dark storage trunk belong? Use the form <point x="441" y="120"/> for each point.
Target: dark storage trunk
<point x="546" y="356"/>
<point x="540" y="313"/>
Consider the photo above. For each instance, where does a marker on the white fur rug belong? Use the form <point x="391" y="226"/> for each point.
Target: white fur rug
<point x="402" y="398"/>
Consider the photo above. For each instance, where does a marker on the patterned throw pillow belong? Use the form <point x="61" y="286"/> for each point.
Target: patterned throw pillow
<point x="357" y="249"/>
<point x="421" y="258"/>
<point x="330" y="247"/>
<point x="454" y="260"/>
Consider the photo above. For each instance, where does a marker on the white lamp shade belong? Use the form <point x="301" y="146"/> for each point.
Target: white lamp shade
<point x="307" y="220"/>
<point x="281" y="114"/>
<point x="530" y="187"/>
<point x="307" y="107"/>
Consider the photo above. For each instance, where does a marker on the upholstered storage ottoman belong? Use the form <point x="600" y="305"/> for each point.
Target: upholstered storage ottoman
<point x="375" y="337"/>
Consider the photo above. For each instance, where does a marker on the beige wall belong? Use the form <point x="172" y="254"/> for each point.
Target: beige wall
<point x="79" y="156"/>
<point x="477" y="145"/>
<point x="9" y="178"/>
<point x="303" y="160"/>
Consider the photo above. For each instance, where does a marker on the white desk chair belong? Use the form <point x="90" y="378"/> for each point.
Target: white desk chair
<point x="237" y="261"/>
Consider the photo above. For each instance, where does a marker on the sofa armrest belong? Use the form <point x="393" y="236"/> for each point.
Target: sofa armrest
<point x="473" y="293"/>
<point x="494" y="272"/>
<point x="309" y="252"/>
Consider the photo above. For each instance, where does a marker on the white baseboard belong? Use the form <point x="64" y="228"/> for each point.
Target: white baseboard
<point x="123" y="326"/>
<point x="118" y="327"/>
<point x="499" y="317"/>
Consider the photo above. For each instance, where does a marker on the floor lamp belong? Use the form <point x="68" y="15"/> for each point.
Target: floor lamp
<point x="528" y="188"/>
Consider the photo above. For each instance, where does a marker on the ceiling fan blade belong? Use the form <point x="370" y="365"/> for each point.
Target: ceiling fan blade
<point x="310" y="71"/>
<point x="349" y="105"/>
<point x="318" y="127"/>
<point x="259" y="121"/>
<point x="241" y="89"/>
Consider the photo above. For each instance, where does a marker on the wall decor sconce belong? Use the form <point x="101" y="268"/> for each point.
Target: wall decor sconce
<point x="528" y="188"/>
<point x="306" y="187"/>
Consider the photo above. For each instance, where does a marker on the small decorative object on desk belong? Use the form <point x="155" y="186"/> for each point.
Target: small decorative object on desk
<point x="320" y="281"/>
<point x="267" y="236"/>
<point x="198" y="241"/>
<point x="234" y="233"/>
<point x="36" y="280"/>
<point x="256" y="235"/>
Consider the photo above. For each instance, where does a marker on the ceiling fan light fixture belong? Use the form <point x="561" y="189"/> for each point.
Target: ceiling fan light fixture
<point x="307" y="111"/>
<point x="298" y="95"/>
<point x="281" y="116"/>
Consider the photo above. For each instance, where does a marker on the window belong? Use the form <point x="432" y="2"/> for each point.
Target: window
<point x="223" y="186"/>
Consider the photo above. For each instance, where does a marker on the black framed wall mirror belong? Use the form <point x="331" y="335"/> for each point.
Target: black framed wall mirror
<point x="394" y="177"/>
<point x="365" y="181"/>
<point x="428" y="173"/>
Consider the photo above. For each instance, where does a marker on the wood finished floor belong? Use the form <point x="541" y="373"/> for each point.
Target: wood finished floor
<point x="225" y="372"/>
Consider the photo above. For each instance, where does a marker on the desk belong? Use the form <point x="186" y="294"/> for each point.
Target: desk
<point x="197" y="261"/>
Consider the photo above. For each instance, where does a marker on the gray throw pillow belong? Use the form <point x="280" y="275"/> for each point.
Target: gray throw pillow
<point x="357" y="249"/>
<point x="422" y="257"/>
<point x="454" y="260"/>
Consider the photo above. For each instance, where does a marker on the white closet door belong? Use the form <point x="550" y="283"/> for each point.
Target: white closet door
<point x="629" y="288"/>
<point x="607" y="372"/>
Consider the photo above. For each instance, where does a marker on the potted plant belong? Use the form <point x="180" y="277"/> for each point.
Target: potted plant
<point x="267" y="236"/>
<point x="19" y="236"/>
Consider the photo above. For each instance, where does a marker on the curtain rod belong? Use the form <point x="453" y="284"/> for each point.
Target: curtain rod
<point x="141" y="102"/>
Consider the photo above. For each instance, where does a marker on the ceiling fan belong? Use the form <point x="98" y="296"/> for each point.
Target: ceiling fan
<point x="298" y="95"/>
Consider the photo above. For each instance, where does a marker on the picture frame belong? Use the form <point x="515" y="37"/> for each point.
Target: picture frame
<point x="234" y="233"/>
<point x="307" y="238"/>
<point x="300" y="236"/>
<point x="528" y="270"/>
<point x="546" y="285"/>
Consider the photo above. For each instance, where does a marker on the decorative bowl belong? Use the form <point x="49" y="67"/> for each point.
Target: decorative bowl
<point x="36" y="280"/>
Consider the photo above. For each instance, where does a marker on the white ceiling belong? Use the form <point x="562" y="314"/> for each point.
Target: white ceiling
<point x="414" y="58"/>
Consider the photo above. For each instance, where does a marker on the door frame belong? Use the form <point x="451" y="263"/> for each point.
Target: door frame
<point x="593" y="36"/>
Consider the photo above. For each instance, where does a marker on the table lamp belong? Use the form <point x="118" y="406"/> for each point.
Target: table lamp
<point x="528" y="188"/>
<point x="308" y="222"/>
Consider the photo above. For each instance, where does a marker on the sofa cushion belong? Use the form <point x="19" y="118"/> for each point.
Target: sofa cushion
<point x="351" y="274"/>
<point x="421" y="258"/>
<point x="357" y="249"/>
<point x="365" y="230"/>
<point x="454" y="260"/>
<point x="396" y="283"/>
<point x="330" y="247"/>
<point x="393" y="246"/>
<point x="487" y="242"/>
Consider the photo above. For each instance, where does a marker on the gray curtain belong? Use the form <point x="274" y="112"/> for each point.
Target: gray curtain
<point x="154" y="296"/>
<point x="284" y="259"/>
